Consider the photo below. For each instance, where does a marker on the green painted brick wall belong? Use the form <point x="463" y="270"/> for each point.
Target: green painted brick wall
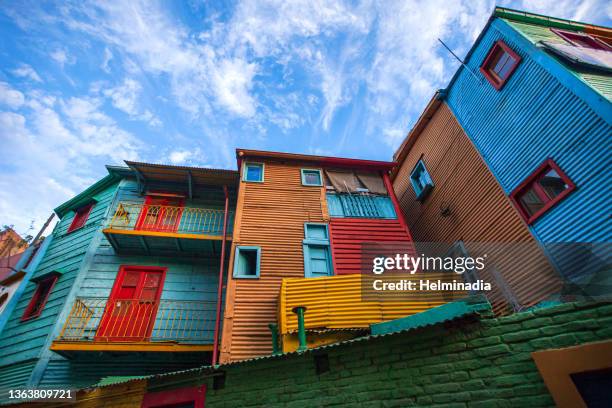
<point x="484" y="363"/>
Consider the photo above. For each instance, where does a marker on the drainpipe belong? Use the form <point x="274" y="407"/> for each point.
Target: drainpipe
<point x="275" y="348"/>
<point x="299" y="311"/>
<point x="220" y="289"/>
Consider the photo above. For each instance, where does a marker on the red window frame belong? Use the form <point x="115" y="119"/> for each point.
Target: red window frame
<point x="487" y="70"/>
<point x="44" y="287"/>
<point x="572" y="37"/>
<point x="80" y="217"/>
<point x="532" y="180"/>
<point x="162" y="399"/>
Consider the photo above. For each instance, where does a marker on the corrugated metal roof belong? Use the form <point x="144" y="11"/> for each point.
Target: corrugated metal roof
<point x="434" y="315"/>
<point x="600" y="81"/>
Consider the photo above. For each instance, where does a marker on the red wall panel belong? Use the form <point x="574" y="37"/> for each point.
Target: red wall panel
<point x="349" y="234"/>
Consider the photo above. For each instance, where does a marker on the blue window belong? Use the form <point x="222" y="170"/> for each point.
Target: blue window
<point x="421" y="181"/>
<point x="253" y="172"/>
<point x="247" y="261"/>
<point x="360" y="206"/>
<point x="317" y="253"/>
<point x="311" y="177"/>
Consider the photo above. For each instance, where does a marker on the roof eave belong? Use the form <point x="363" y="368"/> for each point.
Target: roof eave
<point x="319" y="160"/>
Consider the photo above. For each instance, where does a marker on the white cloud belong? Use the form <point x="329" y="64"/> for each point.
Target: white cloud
<point x="10" y="97"/>
<point x="62" y="57"/>
<point x="124" y="97"/>
<point x="108" y="56"/>
<point x="26" y="71"/>
<point x="186" y="156"/>
<point x="58" y="147"/>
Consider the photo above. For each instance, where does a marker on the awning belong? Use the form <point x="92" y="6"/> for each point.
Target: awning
<point x="589" y="57"/>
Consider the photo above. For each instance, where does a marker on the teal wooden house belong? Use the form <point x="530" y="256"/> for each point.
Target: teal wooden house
<point x="534" y="97"/>
<point x="127" y="283"/>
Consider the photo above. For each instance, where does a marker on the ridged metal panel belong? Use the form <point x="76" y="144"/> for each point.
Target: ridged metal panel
<point x="15" y="375"/>
<point x="348" y="236"/>
<point x="85" y="372"/>
<point x="479" y="209"/>
<point x="534" y="117"/>
<point x="270" y="215"/>
<point x="122" y="395"/>
<point x="335" y="302"/>
<point x="602" y="82"/>
<point x="21" y="341"/>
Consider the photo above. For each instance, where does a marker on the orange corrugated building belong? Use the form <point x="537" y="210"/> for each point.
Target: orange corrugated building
<point x="301" y="222"/>
<point x="461" y="204"/>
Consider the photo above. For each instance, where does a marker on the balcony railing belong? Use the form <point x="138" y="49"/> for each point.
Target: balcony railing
<point x="360" y="206"/>
<point x="97" y="320"/>
<point x="169" y="219"/>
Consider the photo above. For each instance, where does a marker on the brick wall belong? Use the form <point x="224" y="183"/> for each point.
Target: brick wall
<point x="484" y="363"/>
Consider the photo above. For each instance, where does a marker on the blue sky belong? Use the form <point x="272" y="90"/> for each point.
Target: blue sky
<point x="84" y="84"/>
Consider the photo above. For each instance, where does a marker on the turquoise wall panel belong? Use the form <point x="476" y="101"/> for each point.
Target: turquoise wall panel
<point x="21" y="341"/>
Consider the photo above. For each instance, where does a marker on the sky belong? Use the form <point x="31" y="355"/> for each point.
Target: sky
<point x="84" y="84"/>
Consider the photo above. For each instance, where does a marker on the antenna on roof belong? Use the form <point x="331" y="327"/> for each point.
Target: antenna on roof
<point x="461" y="61"/>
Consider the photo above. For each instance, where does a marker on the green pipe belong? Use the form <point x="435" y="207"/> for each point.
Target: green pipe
<point x="300" y="310"/>
<point x="275" y="348"/>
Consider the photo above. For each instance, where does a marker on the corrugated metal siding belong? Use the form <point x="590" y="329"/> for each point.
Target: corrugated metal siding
<point x="84" y="372"/>
<point x="534" y="117"/>
<point x="128" y="395"/>
<point x="335" y="302"/>
<point x="270" y="215"/>
<point x="601" y="82"/>
<point x="480" y="211"/>
<point x="15" y="375"/>
<point x="187" y="279"/>
<point x="348" y="235"/>
<point x="21" y="341"/>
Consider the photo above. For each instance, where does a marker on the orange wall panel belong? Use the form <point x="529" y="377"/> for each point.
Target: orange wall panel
<point x="479" y="209"/>
<point x="270" y="215"/>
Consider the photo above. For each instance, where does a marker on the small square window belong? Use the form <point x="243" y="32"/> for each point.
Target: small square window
<point x="421" y="181"/>
<point x="582" y="40"/>
<point x="39" y="299"/>
<point x="543" y="188"/>
<point x="247" y="262"/>
<point x="499" y="64"/>
<point x="316" y="231"/>
<point x="311" y="177"/>
<point x="80" y="217"/>
<point x="253" y="172"/>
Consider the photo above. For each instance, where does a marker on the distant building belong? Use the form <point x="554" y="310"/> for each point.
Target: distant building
<point x="12" y="247"/>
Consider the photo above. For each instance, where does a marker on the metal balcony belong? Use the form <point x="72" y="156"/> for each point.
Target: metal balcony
<point x="94" y="324"/>
<point x="166" y="230"/>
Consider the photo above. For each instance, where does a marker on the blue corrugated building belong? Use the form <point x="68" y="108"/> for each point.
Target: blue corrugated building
<point x="534" y="98"/>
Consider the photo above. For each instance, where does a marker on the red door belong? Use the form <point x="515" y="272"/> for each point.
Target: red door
<point x="132" y="305"/>
<point x="160" y="214"/>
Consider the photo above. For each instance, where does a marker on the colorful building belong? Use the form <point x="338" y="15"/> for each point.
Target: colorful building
<point x="128" y="282"/>
<point x="512" y="151"/>
<point x="542" y="122"/>
<point x="301" y="223"/>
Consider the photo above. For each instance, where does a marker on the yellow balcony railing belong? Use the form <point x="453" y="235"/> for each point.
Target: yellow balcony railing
<point x="98" y="320"/>
<point x="168" y="219"/>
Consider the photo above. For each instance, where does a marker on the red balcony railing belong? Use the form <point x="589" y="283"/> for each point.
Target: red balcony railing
<point x="97" y="320"/>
